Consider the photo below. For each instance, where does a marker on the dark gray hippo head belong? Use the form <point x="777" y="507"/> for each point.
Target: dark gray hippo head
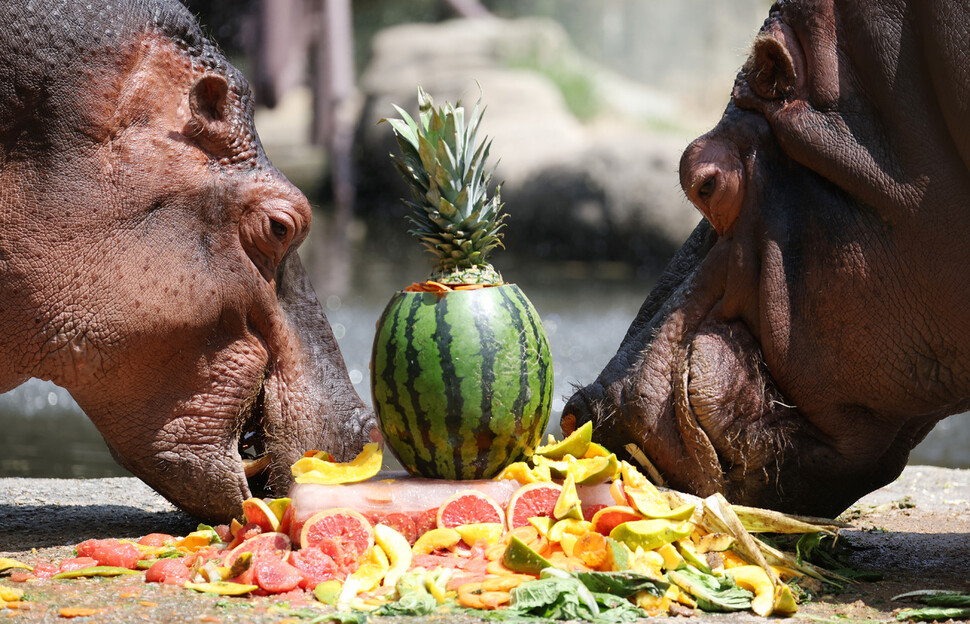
<point x="148" y="254"/>
<point x="814" y="328"/>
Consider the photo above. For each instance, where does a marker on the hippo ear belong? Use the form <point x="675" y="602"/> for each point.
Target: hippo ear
<point x="770" y="70"/>
<point x="209" y="105"/>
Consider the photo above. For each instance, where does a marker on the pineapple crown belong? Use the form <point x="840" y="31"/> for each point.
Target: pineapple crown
<point x="451" y="212"/>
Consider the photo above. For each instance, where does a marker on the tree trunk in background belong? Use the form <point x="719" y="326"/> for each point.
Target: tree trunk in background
<point x="311" y="42"/>
<point x="288" y="33"/>
<point x="279" y="57"/>
<point x="333" y="90"/>
<point x="333" y="125"/>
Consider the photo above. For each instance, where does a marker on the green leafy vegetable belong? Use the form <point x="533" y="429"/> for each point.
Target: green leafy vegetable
<point x="937" y="597"/>
<point x="614" y="609"/>
<point x="712" y="593"/>
<point x="344" y="617"/>
<point x="829" y="553"/>
<point x="806" y="545"/>
<point x="414" y="598"/>
<point x="943" y="605"/>
<point x="932" y="614"/>
<point x="622" y="584"/>
<point x="561" y="596"/>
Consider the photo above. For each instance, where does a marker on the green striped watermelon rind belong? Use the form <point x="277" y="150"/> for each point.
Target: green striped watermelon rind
<point x="461" y="381"/>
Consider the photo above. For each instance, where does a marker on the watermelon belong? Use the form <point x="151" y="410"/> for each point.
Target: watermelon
<point x="461" y="380"/>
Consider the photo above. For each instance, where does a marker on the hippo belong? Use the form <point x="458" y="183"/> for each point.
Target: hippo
<point x="148" y="257"/>
<point x="814" y="327"/>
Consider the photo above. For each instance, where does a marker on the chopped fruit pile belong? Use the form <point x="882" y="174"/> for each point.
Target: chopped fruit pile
<point x="543" y="555"/>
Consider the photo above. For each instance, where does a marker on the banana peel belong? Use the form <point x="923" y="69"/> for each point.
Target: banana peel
<point x="756" y="520"/>
<point x="398" y="552"/>
<point x="222" y="588"/>
<point x="8" y="564"/>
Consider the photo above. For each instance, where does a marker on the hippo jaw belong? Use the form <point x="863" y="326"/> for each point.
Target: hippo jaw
<point x="272" y="393"/>
<point x="689" y="398"/>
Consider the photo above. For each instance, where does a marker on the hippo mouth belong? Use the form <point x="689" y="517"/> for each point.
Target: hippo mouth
<point x="734" y="422"/>
<point x="253" y="451"/>
<point x="266" y="457"/>
<point x="698" y="410"/>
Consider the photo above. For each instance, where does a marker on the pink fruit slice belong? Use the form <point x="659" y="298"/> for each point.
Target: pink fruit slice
<point x="534" y="500"/>
<point x="275" y="544"/>
<point x="608" y="518"/>
<point x="258" y="512"/>
<point x="276" y="576"/>
<point x="315" y="566"/>
<point x="468" y="507"/>
<point x="345" y="526"/>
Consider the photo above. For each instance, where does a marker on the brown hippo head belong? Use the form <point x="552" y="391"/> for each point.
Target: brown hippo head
<point x="815" y="327"/>
<point x="148" y="254"/>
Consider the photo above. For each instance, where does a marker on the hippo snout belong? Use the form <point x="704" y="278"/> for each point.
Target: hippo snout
<point x="579" y="409"/>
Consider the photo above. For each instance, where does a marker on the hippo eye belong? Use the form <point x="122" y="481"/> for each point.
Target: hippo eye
<point x="278" y="229"/>
<point x="706" y="190"/>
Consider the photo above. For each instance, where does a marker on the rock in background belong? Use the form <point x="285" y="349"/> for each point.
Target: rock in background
<point x="589" y="159"/>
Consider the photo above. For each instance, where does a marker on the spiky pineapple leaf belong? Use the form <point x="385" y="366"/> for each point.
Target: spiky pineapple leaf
<point x="445" y="166"/>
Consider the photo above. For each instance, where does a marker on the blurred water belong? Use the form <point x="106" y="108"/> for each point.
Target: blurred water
<point x="44" y="433"/>
<point x="585" y="309"/>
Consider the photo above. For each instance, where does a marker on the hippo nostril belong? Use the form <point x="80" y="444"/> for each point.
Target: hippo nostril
<point x="567" y="423"/>
<point x="579" y="409"/>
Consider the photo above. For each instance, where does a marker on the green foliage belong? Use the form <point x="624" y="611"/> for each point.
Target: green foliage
<point x="941" y="605"/>
<point x="713" y="593"/>
<point x="413" y="597"/>
<point x="561" y="596"/>
<point x="578" y="90"/>
<point x="622" y="584"/>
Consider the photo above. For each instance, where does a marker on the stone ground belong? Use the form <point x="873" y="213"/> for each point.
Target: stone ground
<point x="915" y="532"/>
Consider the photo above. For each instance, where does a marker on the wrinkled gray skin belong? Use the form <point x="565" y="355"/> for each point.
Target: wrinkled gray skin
<point x="148" y="253"/>
<point x="815" y="327"/>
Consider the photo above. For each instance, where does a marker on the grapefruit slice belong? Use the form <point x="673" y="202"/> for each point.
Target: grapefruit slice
<point x="346" y="526"/>
<point x="262" y="543"/>
<point x="469" y="507"/>
<point x="608" y="518"/>
<point x="535" y="500"/>
<point x="258" y="512"/>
